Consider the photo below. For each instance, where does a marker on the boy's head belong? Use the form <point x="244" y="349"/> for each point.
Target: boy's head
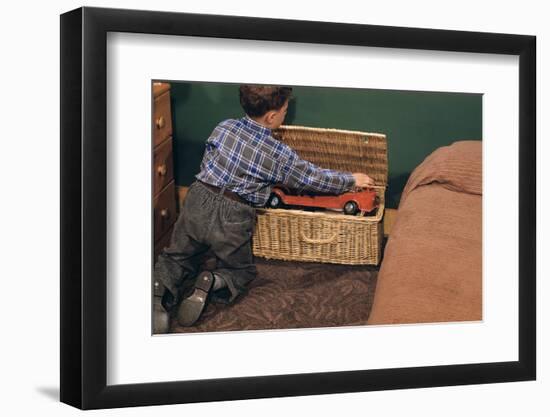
<point x="265" y="104"/>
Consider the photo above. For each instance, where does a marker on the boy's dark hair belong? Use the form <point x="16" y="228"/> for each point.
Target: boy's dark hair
<point x="257" y="100"/>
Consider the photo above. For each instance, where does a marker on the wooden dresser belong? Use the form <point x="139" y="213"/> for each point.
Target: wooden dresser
<point x="164" y="190"/>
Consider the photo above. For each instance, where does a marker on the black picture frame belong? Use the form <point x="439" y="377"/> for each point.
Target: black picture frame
<point x="84" y="207"/>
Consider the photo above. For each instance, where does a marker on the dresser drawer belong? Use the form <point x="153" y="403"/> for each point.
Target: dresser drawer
<point x="163" y="166"/>
<point x="164" y="213"/>
<point x="162" y="118"/>
<point x="159" y="88"/>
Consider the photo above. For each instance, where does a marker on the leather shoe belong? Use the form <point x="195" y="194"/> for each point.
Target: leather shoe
<point x="192" y="307"/>
<point x="161" y="318"/>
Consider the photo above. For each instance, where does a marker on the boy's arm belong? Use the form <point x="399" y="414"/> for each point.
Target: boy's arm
<point x="302" y="175"/>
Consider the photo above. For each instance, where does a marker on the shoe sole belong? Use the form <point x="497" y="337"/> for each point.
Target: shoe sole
<point x="192" y="307"/>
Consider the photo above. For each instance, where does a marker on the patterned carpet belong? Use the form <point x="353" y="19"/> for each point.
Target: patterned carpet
<point x="295" y="295"/>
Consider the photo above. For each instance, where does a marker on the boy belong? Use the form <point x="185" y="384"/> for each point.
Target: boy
<point x="241" y="164"/>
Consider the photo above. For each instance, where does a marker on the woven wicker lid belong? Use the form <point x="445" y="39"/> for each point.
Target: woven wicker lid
<point x="342" y="150"/>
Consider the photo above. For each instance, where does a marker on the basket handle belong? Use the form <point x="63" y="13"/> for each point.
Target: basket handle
<point x="318" y="241"/>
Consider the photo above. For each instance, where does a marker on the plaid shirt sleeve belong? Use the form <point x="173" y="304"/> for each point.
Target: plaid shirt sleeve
<point x="302" y="175"/>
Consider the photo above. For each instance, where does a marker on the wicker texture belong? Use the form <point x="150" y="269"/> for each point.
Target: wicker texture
<point x="342" y="150"/>
<point x="296" y="235"/>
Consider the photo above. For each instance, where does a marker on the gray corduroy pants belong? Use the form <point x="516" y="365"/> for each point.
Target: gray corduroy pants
<point x="208" y="221"/>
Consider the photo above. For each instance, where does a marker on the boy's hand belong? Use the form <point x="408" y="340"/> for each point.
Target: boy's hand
<point x="363" y="180"/>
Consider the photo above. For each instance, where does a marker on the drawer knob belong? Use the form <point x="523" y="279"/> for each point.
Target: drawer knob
<point x="164" y="213"/>
<point x="162" y="170"/>
<point x="160" y="122"/>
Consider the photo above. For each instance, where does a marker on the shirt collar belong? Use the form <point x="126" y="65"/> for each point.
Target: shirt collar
<point x="254" y="125"/>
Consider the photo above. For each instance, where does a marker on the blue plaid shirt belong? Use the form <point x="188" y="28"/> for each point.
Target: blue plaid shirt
<point x="242" y="156"/>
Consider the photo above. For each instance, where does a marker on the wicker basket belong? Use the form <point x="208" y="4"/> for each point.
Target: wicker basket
<point x="297" y="235"/>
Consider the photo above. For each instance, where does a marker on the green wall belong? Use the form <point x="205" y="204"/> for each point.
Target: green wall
<point x="416" y="123"/>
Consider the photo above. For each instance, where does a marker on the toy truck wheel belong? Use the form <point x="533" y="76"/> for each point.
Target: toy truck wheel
<point x="274" y="201"/>
<point x="351" y="208"/>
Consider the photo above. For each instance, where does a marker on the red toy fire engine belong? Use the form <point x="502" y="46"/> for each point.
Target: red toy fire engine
<point x="363" y="201"/>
